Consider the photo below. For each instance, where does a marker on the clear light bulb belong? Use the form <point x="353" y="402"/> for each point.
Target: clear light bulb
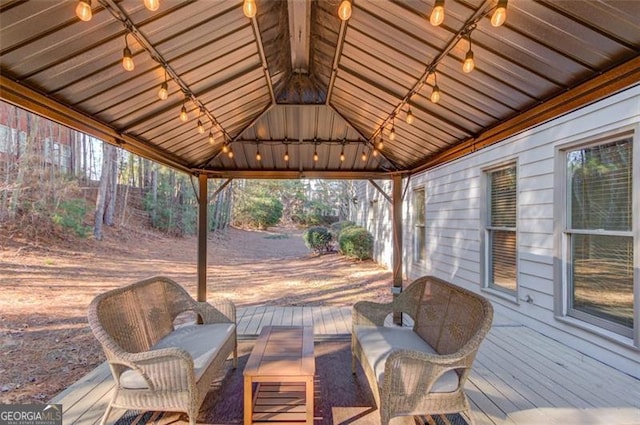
<point x="500" y="14"/>
<point x="435" y="94"/>
<point x="163" y="93"/>
<point x="200" y="127"/>
<point x="344" y="11"/>
<point x="258" y="156"/>
<point x="183" y="114"/>
<point x="286" y="156"/>
<point x="83" y="10"/>
<point x="375" y="152"/>
<point x="212" y="140"/>
<point x="315" y="156"/>
<point x="127" y="60"/>
<point x="152" y="5"/>
<point x="380" y="144"/>
<point x="468" y="64"/>
<point x="364" y="156"/>
<point x="342" y="156"/>
<point x="437" y="14"/>
<point x="409" y="118"/>
<point x="249" y="8"/>
<point x="225" y="148"/>
<point x="392" y="134"/>
<point x="230" y="153"/>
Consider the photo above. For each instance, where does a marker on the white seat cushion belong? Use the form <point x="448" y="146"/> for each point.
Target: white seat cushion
<point x="378" y="342"/>
<point x="202" y="342"/>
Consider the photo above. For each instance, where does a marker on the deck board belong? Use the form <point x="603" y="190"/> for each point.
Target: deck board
<point x="565" y="373"/>
<point x="520" y="377"/>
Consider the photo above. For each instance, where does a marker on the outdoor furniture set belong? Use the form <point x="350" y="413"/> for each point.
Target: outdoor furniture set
<point x="412" y="371"/>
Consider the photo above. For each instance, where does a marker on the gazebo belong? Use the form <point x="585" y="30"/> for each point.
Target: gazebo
<point x="318" y="89"/>
<point x="371" y="90"/>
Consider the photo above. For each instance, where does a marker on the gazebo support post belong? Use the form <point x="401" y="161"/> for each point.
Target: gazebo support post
<point x="203" y="202"/>
<point x="397" y="241"/>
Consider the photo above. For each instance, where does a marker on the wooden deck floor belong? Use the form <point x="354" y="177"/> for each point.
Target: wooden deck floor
<point x="520" y="377"/>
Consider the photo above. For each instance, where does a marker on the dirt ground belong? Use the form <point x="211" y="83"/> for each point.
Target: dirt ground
<point x="45" y="289"/>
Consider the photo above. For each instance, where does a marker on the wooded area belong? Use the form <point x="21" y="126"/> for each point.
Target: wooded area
<point x="55" y="179"/>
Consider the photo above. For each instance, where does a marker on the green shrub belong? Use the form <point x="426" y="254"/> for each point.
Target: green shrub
<point x="318" y="239"/>
<point x="70" y="215"/>
<point x="356" y="242"/>
<point x="339" y="226"/>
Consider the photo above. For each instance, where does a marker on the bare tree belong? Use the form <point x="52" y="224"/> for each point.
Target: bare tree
<point x="112" y="188"/>
<point x="105" y="178"/>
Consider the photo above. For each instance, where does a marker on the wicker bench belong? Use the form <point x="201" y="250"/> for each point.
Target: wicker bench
<point x="421" y="370"/>
<point x="155" y="365"/>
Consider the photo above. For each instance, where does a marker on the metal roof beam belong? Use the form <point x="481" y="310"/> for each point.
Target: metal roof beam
<point x="296" y="174"/>
<point x="336" y="59"/>
<point x="263" y="59"/>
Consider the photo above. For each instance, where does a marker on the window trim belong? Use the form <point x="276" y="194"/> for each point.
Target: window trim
<point x="563" y="311"/>
<point x="485" y="246"/>
<point x="415" y="227"/>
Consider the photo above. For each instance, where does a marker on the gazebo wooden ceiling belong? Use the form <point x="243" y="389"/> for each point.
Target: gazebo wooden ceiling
<point x="296" y="79"/>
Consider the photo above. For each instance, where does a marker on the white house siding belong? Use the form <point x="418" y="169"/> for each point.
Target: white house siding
<point x="373" y="212"/>
<point x="455" y="198"/>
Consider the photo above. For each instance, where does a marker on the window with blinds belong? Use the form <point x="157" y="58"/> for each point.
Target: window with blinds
<point x="501" y="247"/>
<point x="419" y="220"/>
<point x="599" y="235"/>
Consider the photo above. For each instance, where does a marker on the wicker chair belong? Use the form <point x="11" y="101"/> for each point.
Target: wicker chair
<point x="421" y="370"/>
<point x="156" y="366"/>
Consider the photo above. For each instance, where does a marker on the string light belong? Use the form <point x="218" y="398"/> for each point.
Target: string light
<point x="199" y="125"/>
<point x="225" y="147"/>
<point x="374" y="152"/>
<point x="409" y="118"/>
<point x="500" y="14"/>
<point x="212" y="139"/>
<point x="364" y="156"/>
<point x="344" y="10"/>
<point x="437" y="14"/>
<point x="315" y="156"/>
<point x="152" y="5"/>
<point x="435" y="92"/>
<point x="342" y="154"/>
<point x="249" y="8"/>
<point x="258" y="156"/>
<point x="163" y="93"/>
<point x="468" y="64"/>
<point x="127" y="57"/>
<point x="392" y="133"/>
<point x="83" y="10"/>
<point x="184" y="116"/>
<point x="230" y="152"/>
<point x="286" y="155"/>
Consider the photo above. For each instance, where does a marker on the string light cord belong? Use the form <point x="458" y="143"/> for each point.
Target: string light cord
<point x="430" y="68"/>
<point x="119" y="14"/>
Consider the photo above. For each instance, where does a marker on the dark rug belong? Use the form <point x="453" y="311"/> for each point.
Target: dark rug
<point x="341" y="398"/>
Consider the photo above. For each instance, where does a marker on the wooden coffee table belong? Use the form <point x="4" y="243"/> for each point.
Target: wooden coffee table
<point x="283" y="365"/>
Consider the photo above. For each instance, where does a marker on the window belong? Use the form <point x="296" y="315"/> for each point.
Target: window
<point x="500" y="231"/>
<point x="419" y="221"/>
<point x="598" y="236"/>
